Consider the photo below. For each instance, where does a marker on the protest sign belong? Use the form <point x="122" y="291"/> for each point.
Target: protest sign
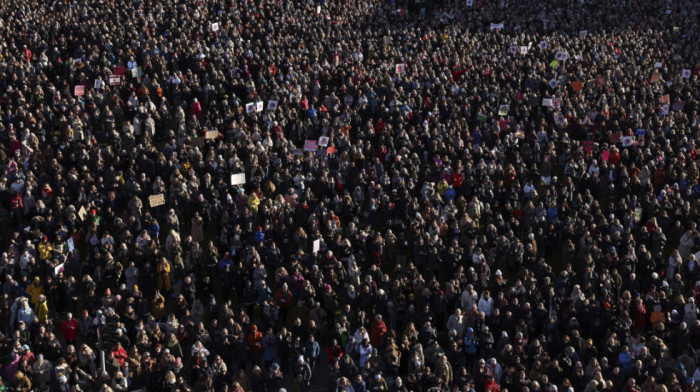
<point x="400" y="68"/>
<point x="503" y="110"/>
<point x="496" y="26"/>
<point x="310" y="145"/>
<point x="323" y="141"/>
<point x="627" y="141"/>
<point x="214" y="27"/>
<point x="543" y="44"/>
<point x="686" y="73"/>
<point x="272" y="105"/>
<point x="258" y="106"/>
<point x="119" y="70"/>
<point x="577" y="85"/>
<point x="678" y="106"/>
<point x="211" y="135"/>
<point x="561" y="55"/>
<point x="238" y="179"/>
<point x="156" y="200"/>
<point x="547" y="102"/>
<point x="114" y="80"/>
<point x="600" y="80"/>
<point x="79" y="90"/>
<point x="250" y="108"/>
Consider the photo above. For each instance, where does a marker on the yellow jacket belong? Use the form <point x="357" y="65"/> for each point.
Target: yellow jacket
<point x="34" y="292"/>
<point x="253" y="203"/>
<point x="442" y="187"/>
<point x="42" y="311"/>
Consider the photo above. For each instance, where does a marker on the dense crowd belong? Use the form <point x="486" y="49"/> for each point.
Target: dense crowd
<point x="361" y="195"/>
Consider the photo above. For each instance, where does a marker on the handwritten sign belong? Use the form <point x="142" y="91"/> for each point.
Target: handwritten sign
<point x="114" y="80"/>
<point x="238" y="179"/>
<point x="588" y="146"/>
<point x="317" y="245"/>
<point x="79" y="90"/>
<point x="119" y="70"/>
<point x="156" y="200"/>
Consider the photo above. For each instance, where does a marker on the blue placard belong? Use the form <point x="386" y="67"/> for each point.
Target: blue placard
<point x="640" y="132"/>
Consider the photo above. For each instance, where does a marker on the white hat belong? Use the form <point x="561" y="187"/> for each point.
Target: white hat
<point x="499" y="273"/>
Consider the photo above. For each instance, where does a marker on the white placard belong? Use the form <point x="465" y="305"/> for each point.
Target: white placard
<point x="323" y="141"/>
<point x="496" y="26"/>
<point x="547" y="102"/>
<point x="583" y="33"/>
<point x="238" y="179"/>
<point x="561" y="56"/>
<point x="317" y="245"/>
<point x="114" y="80"/>
<point x="658" y="64"/>
<point x="258" y="106"/>
<point x="272" y="105"/>
<point x="686" y="74"/>
<point x="553" y="83"/>
<point x="544" y="44"/>
<point x="400" y="68"/>
<point x="214" y="27"/>
<point x="513" y="49"/>
<point x="250" y="108"/>
<point x="523" y="50"/>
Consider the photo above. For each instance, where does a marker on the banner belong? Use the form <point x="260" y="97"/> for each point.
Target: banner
<point x="496" y="26"/>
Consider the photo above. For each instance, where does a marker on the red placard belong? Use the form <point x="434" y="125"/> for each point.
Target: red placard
<point x="119" y="70"/>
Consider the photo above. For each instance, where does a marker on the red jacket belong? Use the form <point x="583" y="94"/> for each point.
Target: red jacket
<point x="119" y="354"/>
<point x="377" y="333"/>
<point x="70" y="330"/>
